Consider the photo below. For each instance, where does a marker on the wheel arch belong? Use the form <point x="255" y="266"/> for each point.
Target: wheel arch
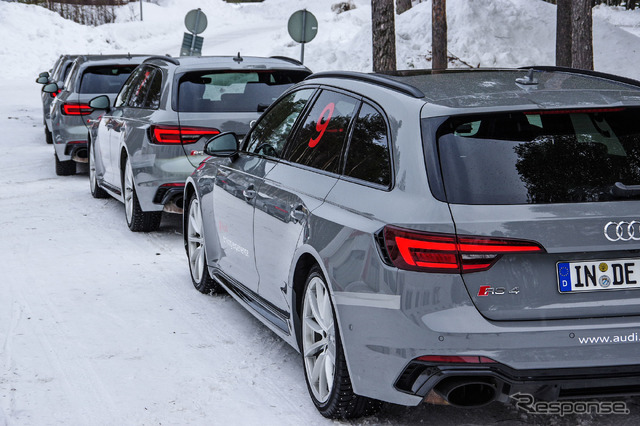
<point x="306" y="260"/>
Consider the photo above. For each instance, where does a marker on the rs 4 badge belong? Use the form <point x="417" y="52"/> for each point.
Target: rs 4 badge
<point x="487" y="290"/>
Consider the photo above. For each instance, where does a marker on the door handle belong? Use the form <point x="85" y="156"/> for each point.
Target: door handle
<point x="299" y="213"/>
<point x="249" y="193"/>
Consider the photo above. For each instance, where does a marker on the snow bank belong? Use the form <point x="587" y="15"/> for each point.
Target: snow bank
<point x="487" y="33"/>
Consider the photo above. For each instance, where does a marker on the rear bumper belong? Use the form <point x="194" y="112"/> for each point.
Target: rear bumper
<point x="550" y="360"/>
<point x="152" y="173"/>
<point x="420" y="377"/>
<point x="68" y="140"/>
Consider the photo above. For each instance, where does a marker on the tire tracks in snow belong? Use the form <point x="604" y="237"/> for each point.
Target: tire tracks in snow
<point x="83" y="387"/>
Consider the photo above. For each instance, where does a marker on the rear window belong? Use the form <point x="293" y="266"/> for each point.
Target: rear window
<point x="105" y="79"/>
<point x="236" y="91"/>
<point x="536" y="157"/>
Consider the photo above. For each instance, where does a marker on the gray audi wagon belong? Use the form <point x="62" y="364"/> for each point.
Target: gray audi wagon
<point x="70" y="114"/>
<point x="456" y="237"/>
<point x="59" y="74"/>
<point x="151" y="139"/>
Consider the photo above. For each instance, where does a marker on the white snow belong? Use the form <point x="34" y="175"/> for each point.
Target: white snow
<point x="101" y="326"/>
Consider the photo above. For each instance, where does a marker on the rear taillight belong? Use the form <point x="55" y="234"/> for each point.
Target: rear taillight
<point x="176" y="134"/>
<point x="453" y="359"/>
<point x="448" y="253"/>
<point x="76" y="109"/>
<point x="54" y="94"/>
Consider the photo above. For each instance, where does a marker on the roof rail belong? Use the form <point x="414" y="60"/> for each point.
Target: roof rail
<point x="378" y="79"/>
<point x="287" y="59"/>
<point x="169" y="59"/>
<point x="590" y="73"/>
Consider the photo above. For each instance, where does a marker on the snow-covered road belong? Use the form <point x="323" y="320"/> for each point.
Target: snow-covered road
<point x="101" y="326"/>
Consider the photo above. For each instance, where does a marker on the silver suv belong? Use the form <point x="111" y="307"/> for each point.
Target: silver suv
<point x="151" y="139"/>
<point x="70" y="113"/>
<point x="456" y="237"/>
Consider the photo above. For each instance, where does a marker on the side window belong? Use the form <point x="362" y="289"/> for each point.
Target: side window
<point x="271" y="132"/>
<point x="140" y="88"/>
<point x="321" y="137"/>
<point x="71" y="76"/>
<point x="127" y="87"/>
<point x="152" y="101"/>
<point x="368" y="155"/>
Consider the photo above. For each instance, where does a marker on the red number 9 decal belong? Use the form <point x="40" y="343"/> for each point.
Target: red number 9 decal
<point x="321" y="126"/>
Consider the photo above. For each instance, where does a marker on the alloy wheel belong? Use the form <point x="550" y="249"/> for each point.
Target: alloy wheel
<point x="128" y="191"/>
<point x="195" y="241"/>
<point x="318" y="339"/>
<point x="92" y="170"/>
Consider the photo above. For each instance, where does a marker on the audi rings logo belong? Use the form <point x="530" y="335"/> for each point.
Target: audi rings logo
<point x="622" y="231"/>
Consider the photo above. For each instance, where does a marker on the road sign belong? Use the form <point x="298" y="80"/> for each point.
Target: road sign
<point x="191" y="47"/>
<point x="195" y="21"/>
<point x="303" y="27"/>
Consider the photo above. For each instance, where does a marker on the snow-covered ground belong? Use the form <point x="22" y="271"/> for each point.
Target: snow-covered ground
<point x="101" y="326"/>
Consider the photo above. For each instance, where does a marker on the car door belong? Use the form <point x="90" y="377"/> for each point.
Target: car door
<point x="139" y="113"/>
<point x="238" y="183"/>
<point x="297" y="186"/>
<point x="109" y="132"/>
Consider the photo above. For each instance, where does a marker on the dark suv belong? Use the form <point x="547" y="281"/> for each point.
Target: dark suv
<point x="456" y="237"/>
<point x="151" y="139"/>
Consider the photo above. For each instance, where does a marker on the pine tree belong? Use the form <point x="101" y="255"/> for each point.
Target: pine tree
<point x="563" y="33"/>
<point x="582" y="34"/>
<point x="439" y="35"/>
<point x="384" y="35"/>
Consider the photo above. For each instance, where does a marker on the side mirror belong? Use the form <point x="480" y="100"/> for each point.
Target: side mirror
<point x="50" y="88"/>
<point x="43" y="74"/>
<point x="222" y="145"/>
<point x="42" y="80"/>
<point x="100" y="102"/>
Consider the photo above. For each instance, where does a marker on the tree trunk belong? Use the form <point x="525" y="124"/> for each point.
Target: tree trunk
<point x="384" y="35"/>
<point x="402" y="6"/>
<point x="439" y="35"/>
<point x="582" y="35"/>
<point x="563" y="33"/>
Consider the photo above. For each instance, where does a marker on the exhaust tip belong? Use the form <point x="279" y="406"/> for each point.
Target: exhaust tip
<point x="80" y="156"/>
<point x="467" y="392"/>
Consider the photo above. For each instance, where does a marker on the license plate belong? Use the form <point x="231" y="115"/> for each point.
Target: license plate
<point x="598" y="275"/>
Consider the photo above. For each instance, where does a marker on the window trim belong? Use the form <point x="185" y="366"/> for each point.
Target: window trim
<point x="294" y="128"/>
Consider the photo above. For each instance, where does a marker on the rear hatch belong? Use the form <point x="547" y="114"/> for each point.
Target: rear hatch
<point x="213" y="101"/>
<point x="104" y="79"/>
<point x="564" y="181"/>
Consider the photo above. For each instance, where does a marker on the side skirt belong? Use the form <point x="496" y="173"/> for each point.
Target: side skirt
<point x="268" y="311"/>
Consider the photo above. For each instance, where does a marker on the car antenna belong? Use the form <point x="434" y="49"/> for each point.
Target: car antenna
<point x="528" y="80"/>
<point x="238" y="58"/>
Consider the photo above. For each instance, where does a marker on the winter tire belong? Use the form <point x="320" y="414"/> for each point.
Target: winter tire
<point x="47" y="135"/>
<point x="325" y="366"/>
<point x="137" y="219"/>
<point x="65" y="168"/>
<point x="200" y="277"/>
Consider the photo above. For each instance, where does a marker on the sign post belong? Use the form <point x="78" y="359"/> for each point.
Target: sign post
<point x="303" y="27"/>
